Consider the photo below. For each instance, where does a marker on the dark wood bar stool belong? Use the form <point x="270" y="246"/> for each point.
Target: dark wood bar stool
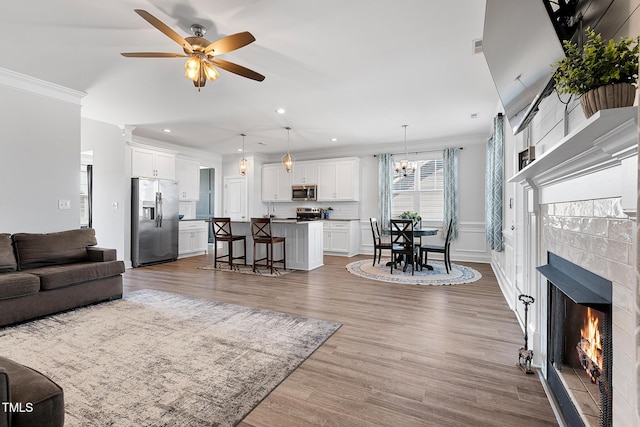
<point x="261" y="233"/>
<point x="222" y="232"/>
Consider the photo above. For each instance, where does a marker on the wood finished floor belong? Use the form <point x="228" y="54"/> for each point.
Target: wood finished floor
<point x="405" y="356"/>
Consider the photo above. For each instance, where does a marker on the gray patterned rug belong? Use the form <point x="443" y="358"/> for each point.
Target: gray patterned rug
<point x="438" y="276"/>
<point x="160" y="359"/>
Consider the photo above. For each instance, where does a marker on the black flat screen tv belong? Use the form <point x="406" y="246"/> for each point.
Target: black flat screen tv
<point x="520" y="44"/>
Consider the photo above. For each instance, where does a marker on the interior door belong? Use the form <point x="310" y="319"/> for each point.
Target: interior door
<point x="235" y="198"/>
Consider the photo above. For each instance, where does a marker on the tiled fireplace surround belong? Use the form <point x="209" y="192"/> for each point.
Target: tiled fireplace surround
<point x="598" y="236"/>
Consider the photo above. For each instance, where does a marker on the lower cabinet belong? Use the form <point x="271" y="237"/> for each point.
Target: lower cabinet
<point x="193" y="238"/>
<point x="340" y="238"/>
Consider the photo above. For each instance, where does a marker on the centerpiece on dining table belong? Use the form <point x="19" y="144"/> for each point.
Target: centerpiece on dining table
<point x="414" y="216"/>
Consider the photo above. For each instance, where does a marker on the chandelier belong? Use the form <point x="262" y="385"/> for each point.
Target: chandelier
<point x="287" y="159"/>
<point x="243" y="166"/>
<point x="404" y="166"/>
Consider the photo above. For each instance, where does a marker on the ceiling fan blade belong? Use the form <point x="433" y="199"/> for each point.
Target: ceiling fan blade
<point x="237" y="69"/>
<point x="229" y="43"/>
<point x="152" y="55"/>
<point x="165" y="29"/>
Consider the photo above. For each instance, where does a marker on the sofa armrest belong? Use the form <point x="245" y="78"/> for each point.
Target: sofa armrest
<point x="5" y="415"/>
<point x="97" y="254"/>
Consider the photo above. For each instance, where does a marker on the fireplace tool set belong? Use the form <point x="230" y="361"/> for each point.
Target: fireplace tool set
<point x="526" y="355"/>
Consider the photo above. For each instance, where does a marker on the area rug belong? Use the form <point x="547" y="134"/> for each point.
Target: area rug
<point x="161" y="359"/>
<point x="247" y="269"/>
<point x="458" y="274"/>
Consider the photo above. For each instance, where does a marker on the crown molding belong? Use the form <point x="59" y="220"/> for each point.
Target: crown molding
<point x="32" y="85"/>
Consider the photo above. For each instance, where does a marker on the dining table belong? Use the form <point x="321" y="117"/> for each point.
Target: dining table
<point x="419" y="232"/>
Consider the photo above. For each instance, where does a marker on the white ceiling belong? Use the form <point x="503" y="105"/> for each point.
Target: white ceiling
<point x="355" y="70"/>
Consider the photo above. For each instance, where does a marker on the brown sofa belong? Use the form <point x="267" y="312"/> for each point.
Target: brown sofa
<point x="42" y="274"/>
<point x="28" y="398"/>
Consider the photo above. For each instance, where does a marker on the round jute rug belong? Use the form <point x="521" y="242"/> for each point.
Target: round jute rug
<point x="438" y="276"/>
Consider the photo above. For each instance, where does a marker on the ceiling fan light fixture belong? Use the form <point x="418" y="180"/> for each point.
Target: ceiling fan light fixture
<point x="210" y="71"/>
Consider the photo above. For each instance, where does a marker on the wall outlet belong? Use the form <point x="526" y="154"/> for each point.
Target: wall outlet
<point x="64" y="204"/>
<point x="114" y="206"/>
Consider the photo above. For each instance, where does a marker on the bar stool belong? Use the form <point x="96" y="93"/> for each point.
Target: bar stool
<point x="222" y="232"/>
<point x="261" y="233"/>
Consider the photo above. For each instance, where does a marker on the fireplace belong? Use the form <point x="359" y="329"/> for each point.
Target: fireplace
<point x="579" y="347"/>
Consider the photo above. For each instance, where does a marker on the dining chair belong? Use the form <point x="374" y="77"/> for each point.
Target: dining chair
<point x="221" y="228"/>
<point x="402" y="244"/>
<point x="445" y="249"/>
<point x="261" y="233"/>
<point x="378" y="244"/>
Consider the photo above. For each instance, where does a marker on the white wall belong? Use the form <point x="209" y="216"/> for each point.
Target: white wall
<point x="111" y="185"/>
<point x="39" y="158"/>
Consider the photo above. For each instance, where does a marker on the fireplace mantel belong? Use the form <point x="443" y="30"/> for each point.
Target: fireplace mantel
<point x="602" y="141"/>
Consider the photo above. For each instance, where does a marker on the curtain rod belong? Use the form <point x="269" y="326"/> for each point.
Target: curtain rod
<point x="418" y="152"/>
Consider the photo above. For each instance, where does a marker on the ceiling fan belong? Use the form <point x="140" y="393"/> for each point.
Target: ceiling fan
<point x="201" y="53"/>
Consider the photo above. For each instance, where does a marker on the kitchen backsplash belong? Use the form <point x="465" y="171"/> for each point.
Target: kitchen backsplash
<point x="341" y="210"/>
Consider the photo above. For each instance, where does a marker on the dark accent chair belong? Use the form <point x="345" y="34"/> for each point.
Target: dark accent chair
<point x="378" y="244"/>
<point x="222" y="232"/>
<point x="402" y="243"/>
<point x="425" y="249"/>
<point x="261" y="233"/>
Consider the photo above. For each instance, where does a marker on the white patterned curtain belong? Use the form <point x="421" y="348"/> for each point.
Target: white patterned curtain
<point x="493" y="186"/>
<point x="450" y="162"/>
<point x="385" y="166"/>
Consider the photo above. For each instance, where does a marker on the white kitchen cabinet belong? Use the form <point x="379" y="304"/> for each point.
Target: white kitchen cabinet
<point x="340" y="237"/>
<point x="188" y="175"/>
<point x="304" y="173"/>
<point x="339" y="180"/>
<point x="152" y="164"/>
<point x="193" y="238"/>
<point x="276" y="183"/>
<point x="235" y="199"/>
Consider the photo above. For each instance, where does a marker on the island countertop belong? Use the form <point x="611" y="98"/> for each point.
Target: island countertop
<point x="304" y="242"/>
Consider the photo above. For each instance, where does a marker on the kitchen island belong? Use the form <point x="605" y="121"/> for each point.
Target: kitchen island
<point x="303" y="242"/>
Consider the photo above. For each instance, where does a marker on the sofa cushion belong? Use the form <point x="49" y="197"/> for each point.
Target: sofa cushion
<point x="7" y="257"/>
<point x="57" y="276"/>
<point x="28" y="386"/>
<point x="13" y="285"/>
<point x="38" y="250"/>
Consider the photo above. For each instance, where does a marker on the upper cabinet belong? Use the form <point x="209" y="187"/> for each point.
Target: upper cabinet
<point x="339" y="179"/>
<point x="276" y="183"/>
<point x="304" y="173"/>
<point x="188" y="174"/>
<point x="152" y="164"/>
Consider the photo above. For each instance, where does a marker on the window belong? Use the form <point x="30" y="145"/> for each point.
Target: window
<point x="421" y="191"/>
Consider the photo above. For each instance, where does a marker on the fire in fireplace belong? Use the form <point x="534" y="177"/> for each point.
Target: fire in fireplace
<point x="579" y="342"/>
<point x="589" y="348"/>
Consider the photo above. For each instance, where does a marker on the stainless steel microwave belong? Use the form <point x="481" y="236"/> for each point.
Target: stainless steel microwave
<point x="303" y="192"/>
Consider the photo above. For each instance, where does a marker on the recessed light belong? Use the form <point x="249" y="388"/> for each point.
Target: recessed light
<point x="334" y="139"/>
<point x="240" y="150"/>
<point x="280" y="111"/>
<point x="166" y="130"/>
<point x="473" y="115"/>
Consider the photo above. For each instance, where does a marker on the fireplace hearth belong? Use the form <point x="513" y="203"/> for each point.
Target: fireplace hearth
<point x="579" y="363"/>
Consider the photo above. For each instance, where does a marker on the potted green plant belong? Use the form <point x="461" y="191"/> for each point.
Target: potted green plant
<point x="415" y="216"/>
<point x="603" y="74"/>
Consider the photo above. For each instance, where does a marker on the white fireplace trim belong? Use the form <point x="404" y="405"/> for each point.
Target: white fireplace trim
<point x="596" y="158"/>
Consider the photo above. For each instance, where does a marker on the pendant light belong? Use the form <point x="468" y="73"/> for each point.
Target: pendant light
<point x="403" y="166"/>
<point x="287" y="159"/>
<point x="243" y="166"/>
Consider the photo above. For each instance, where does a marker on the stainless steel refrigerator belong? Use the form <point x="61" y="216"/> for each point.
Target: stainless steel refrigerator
<point x="154" y="221"/>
